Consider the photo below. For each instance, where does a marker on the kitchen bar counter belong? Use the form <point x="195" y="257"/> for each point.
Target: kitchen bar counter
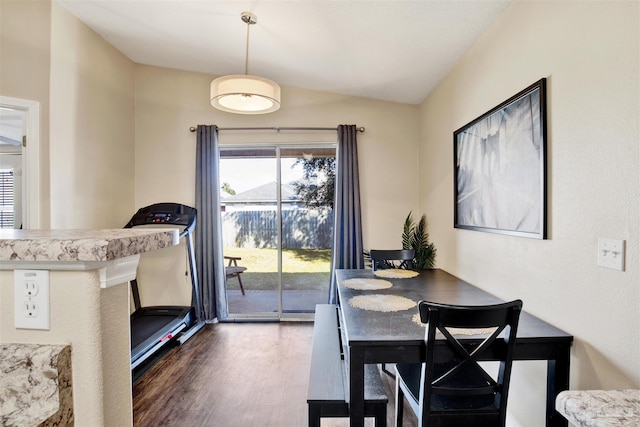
<point x="82" y="245"/>
<point x="89" y="308"/>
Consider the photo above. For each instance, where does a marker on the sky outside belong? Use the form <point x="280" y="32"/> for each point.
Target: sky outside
<point x="245" y="174"/>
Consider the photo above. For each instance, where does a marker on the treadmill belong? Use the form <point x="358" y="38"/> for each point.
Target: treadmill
<point x="154" y="327"/>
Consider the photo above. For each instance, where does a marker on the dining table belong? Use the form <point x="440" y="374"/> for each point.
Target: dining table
<point x="379" y="323"/>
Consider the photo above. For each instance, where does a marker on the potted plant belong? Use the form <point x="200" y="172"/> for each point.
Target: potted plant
<point x="415" y="236"/>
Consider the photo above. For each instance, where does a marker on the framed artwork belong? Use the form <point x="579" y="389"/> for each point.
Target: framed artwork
<point x="500" y="167"/>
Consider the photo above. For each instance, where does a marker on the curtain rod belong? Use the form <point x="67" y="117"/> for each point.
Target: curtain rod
<point x="278" y="129"/>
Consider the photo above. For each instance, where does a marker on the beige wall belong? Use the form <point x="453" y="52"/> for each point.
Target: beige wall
<point x="589" y="53"/>
<point x="86" y="94"/>
<point x="168" y="102"/>
<point x="85" y="90"/>
<point x="25" y="52"/>
<point x="92" y="128"/>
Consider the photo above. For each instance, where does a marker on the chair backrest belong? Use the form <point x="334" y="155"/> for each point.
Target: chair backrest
<point x="393" y="258"/>
<point x="451" y="371"/>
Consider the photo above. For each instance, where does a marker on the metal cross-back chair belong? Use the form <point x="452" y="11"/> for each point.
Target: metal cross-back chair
<point x="392" y="258"/>
<point x="450" y="387"/>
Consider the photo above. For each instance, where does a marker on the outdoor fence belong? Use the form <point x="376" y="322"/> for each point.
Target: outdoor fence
<point x="301" y="228"/>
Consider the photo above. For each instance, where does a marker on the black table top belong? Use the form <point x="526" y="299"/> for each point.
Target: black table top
<point x="367" y="327"/>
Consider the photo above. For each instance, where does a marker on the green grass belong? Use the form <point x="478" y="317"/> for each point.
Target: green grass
<point x="264" y="260"/>
<point x="302" y="268"/>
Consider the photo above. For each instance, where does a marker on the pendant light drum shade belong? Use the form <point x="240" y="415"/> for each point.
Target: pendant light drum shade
<point x="245" y="94"/>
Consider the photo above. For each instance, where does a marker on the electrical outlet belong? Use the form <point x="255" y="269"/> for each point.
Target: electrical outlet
<point x="31" y="297"/>
<point x="611" y="253"/>
<point x="31" y="287"/>
<point x="31" y="309"/>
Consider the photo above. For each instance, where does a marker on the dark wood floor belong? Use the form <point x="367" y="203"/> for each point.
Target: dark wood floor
<point x="235" y="375"/>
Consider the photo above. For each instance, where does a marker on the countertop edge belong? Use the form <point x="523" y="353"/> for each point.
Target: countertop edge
<point x="82" y="245"/>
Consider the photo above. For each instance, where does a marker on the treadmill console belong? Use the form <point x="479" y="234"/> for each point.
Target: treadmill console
<point x="162" y="218"/>
<point x="165" y="214"/>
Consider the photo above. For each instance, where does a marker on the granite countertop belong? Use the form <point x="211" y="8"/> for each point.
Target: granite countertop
<point x="600" y="408"/>
<point x="35" y="385"/>
<point x="82" y="245"/>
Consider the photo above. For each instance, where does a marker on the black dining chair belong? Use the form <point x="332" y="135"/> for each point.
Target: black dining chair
<point x="450" y="387"/>
<point x="393" y="258"/>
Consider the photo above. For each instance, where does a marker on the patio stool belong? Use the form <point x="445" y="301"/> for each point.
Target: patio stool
<point x="234" y="270"/>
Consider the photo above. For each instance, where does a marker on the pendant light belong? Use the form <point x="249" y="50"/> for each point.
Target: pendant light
<point x="243" y="93"/>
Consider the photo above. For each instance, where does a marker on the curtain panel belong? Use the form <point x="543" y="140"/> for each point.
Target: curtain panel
<point x="208" y="232"/>
<point x="347" y="228"/>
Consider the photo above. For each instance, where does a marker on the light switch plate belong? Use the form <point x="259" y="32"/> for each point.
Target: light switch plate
<point x="611" y="253"/>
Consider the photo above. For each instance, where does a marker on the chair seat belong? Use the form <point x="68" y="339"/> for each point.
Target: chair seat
<point x="410" y="373"/>
<point x="233" y="270"/>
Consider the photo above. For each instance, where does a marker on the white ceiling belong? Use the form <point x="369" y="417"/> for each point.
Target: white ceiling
<point x="391" y="50"/>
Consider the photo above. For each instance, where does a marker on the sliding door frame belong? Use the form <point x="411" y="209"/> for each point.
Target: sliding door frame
<point x="277" y="147"/>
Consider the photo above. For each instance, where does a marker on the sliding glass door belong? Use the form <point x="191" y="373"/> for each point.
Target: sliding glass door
<point x="277" y="213"/>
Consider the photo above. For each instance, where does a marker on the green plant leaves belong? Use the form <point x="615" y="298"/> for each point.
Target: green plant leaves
<point x="416" y="237"/>
<point x="407" y="233"/>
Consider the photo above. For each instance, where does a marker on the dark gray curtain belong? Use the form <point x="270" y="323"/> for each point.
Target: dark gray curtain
<point x="347" y="226"/>
<point x="208" y="240"/>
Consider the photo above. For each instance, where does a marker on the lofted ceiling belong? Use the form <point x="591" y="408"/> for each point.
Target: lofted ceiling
<point x="390" y="50"/>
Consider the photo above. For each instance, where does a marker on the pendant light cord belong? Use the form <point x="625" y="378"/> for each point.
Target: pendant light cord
<point x="249" y="19"/>
<point x="246" y="60"/>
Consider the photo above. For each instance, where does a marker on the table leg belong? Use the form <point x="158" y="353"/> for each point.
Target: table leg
<point x="356" y="387"/>
<point x="557" y="381"/>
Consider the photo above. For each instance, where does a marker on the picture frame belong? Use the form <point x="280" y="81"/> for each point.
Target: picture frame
<point x="500" y="167"/>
